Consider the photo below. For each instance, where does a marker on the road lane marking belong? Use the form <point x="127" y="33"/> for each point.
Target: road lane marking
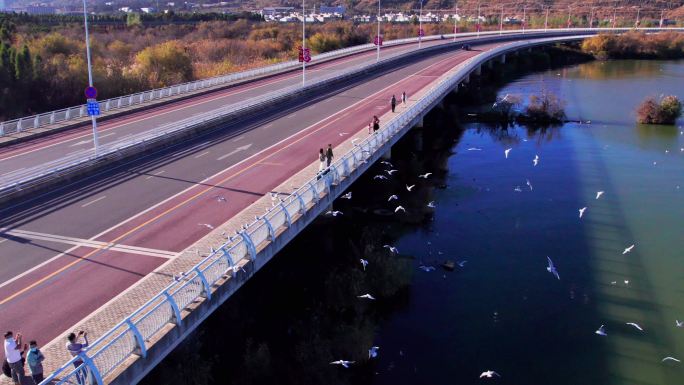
<point x="79" y="242"/>
<point x="238" y="138"/>
<point x="94" y="201"/>
<point x="239" y="149"/>
<point x="202" y="154"/>
<point x="271" y="163"/>
<point x="125" y="122"/>
<point x="3" y="240"/>
<point x="195" y="196"/>
<point x="157" y="173"/>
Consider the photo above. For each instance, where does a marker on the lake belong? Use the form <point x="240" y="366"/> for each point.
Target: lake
<point x="500" y="218"/>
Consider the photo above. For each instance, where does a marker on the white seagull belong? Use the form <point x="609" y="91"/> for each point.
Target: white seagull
<point x="668" y="358"/>
<point x="392" y="249"/>
<point x="601" y="331"/>
<point x="364" y="263"/>
<point x="627" y="250"/>
<point x="551" y="268"/>
<point x="347" y="195"/>
<point x="507" y="151"/>
<point x="425" y="176"/>
<point x="381" y="177"/>
<point x="598" y="194"/>
<point x="342" y="362"/>
<point x="517" y="189"/>
<point x="431" y="205"/>
<point x="373" y="351"/>
<point x="220" y="198"/>
<point x="392" y="197"/>
<point x="489" y="374"/>
<point x="334" y="213"/>
<point x="461" y="263"/>
<point x="399" y="208"/>
<point x="535" y="161"/>
<point x="474" y="149"/>
<point x="581" y="211"/>
<point x="635" y="325"/>
<point x="529" y="184"/>
<point x="386" y="163"/>
<point x="426" y="269"/>
<point x="206" y="225"/>
<point x="409" y="188"/>
<point x="367" y="296"/>
<point x="679" y="324"/>
<point x="390" y="172"/>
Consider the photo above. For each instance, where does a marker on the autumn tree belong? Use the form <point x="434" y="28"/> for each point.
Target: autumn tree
<point x="163" y="64"/>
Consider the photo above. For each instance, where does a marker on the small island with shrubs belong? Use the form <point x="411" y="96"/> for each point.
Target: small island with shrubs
<point x="541" y="110"/>
<point x="664" y="111"/>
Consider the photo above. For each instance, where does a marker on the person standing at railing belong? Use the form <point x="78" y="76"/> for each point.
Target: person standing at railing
<point x="321" y="160"/>
<point x="329" y="155"/>
<point x="393" y="102"/>
<point x="403" y="98"/>
<point x="75" y="348"/>
<point x="376" y="123"/>
<point x="35" y="360"/>
<point x="13" y="354"/>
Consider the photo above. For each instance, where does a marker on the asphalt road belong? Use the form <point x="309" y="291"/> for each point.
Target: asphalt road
<point x="54" y="270"/>
<point x="46" y="149"/>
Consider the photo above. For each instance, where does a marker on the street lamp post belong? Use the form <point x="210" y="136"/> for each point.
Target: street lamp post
<point x="569" y="17"/>
<point x="90" y="74"/>
<point x="524" y="20"/>
<point x="662" y="20"/>
<point x="377" y="38"/>
<point x="479" y="27"/>
<point x="591" y="19"/>
<point x="420" y="25"/>
<point x="303" y="44"/>
<point x="615" y="15"/>
<point x="636" y="24"/>
<point x="455" y="25"/>
<point x="501" y="21"/>
<point x="546" y="20"/>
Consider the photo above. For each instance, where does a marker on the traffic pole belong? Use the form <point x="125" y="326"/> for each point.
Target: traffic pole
<point x="303" y="44"/>
<point x="420" y="24"/>
<point x="546" y="20"/>
<point x="90" y="74"/>
<point x="501" y="21"/>
<point x="524" y="21"/>
<point x="478" y="20"/>
<point x="377" y="37"/>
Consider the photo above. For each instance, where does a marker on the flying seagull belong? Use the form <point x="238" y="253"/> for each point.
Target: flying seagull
<point x="668" y="358"/>
<point x="598" y="194"/>
<point x="431" y="205"/>
<point x="635" y="325"/>
<point x="489" y="374"/>
<point x="679" y="324"/>
<point x="382" y="177"/>
<point x="409" y="188"/>
<point x="367" y="296"/>
<point x="373" y="351"/>
<point x="342" y="362"/>
<point x="474" y="149"/>
<point x="601" y="331"/>
<point x="392" y="197"/>
<point x="386" y="163"/>
<point x="535" y="161"/>
<point x="390" y="172"/>
<point x="334" y="213"/>
<point x="627" y="250"/>
<point x="426" y="269"/>
<point x="364" y="263"/>
<point x="507" y="151"/>
<point x="220" y="198"/>
<point x="529" y="184"/>
<point x="581" y="211"/>
<point x="552" y="269"/>
<point x="461" y="263"/>
<point x="206" y="225"/>
<point x="347" y="195"/>
<point x="392" y="249"/>
<point x="517" y="189"/>
<point x="399" y="208"/>
<point x="425" y="176"/>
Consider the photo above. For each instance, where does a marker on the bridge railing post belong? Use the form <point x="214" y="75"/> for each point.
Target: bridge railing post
<point x="302" y="206"/>
<point x="142" y="350"/>
<point x="288" y="218"/>
<point x="251" y="249"/>
<point x="271" y="231"/>
<point x="205" y="284"/>
<point x="93" y="371"/>
<point x="174" y="308"/>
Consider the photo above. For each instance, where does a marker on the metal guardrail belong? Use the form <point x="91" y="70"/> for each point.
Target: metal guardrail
<point x="128" y="338"/>
<point x="71" y="113"/>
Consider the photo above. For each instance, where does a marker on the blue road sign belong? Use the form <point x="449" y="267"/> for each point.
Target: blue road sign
<point x="91" y="92"/>
<point x="93" y="108"/>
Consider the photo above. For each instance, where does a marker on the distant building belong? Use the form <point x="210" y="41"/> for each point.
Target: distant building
<point x="276" y="11"/>
<point x="339" y="10"/>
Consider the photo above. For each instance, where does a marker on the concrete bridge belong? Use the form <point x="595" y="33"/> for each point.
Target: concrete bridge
<point x="140" y="252"/>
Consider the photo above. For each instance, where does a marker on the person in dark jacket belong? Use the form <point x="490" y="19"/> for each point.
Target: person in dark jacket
<point x="393" y="102"/>
<point x="35" y="360"/>
<point x="329" y="154"/>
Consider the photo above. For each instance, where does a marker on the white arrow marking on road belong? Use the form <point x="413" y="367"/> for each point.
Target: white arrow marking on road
<point x="243" y="148"/>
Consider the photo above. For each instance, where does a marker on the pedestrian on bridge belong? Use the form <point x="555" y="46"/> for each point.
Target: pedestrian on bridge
<point x="321" y="160"/>
<point x="35" y="360"/>
<point x="376" y="123"/>
<point x="75" y="348"/>
<point x="403" y="98"/>
<point x="393" y="102"/>
<point x="329" y="154"/>
<point x="13" y="356"/>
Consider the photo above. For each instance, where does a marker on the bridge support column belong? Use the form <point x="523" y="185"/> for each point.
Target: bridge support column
<point x="418" y="140"/>
<point x="466" y="79"/>
<point x="478" y="71"/>
<point x="420" y="122"/>
<point x="502" y="59"/>
<point x="490" y="64"/>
